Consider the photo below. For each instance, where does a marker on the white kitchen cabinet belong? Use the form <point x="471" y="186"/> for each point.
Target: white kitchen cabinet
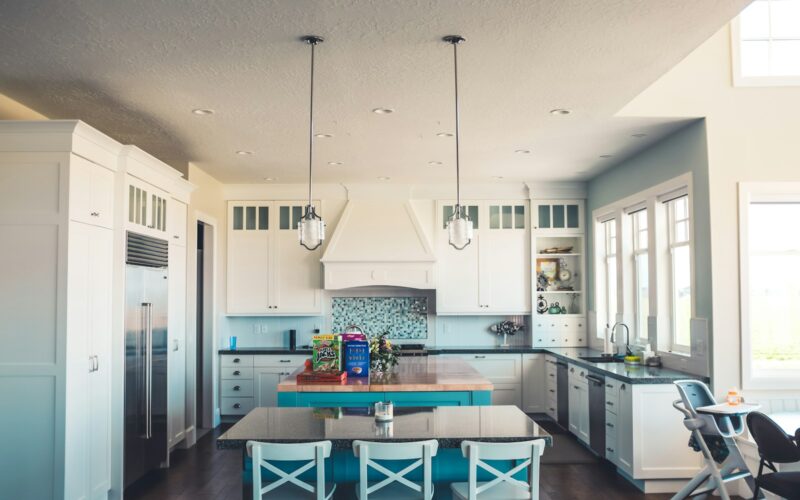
<point x="147" y="210"/>
<point x="558" y="216"/>
<point x="176" y="333"/>
<point x="177" y="222"/>
<point x="89" y="278"/>
<point x="504" y="371"/>
<point x="551" y="386"/>
<point x="578" y="403"/>
<point x="534" y="383"/>
<point x="490" y="275"/>
<point x="269" y="273"/>
<point x="91" y="190"/>
<point x="249" y="381"/>
<point x="558" y="330"/>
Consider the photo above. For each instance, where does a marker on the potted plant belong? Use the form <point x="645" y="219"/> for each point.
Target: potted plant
<point x="382" y="356"/>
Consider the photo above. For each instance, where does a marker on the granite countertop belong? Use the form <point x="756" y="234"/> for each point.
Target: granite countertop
<point x="450" y="425"/>
<point x="412" y="374"/>
<point x="267" y="350"/>
<point x="620" y="371"/>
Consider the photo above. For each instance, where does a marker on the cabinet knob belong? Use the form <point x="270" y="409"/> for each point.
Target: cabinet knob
<point x="610" y="449"/>
<point x="95" y="214"/>
<point x="236" y="387"/>
<point x="237" y="373"/>
<point x="237" y="406"/>
<point x="235" y="360"/>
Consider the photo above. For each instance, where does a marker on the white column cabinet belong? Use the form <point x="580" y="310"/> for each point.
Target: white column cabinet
<point x="490" y="275"/>
<point x="269" y="273"/>
<point x="578" y="403"/>
<point x="176" y="332"/>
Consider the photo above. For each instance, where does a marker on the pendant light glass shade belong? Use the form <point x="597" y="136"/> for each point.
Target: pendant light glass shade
<point x="311" y="227"/>
<point x="459" y="226"/>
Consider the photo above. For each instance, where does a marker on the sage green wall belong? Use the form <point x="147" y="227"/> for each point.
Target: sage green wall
<point x="682" y="152"/>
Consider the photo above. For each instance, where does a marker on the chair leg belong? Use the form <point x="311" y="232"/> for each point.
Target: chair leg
<point x="757" y="491"/>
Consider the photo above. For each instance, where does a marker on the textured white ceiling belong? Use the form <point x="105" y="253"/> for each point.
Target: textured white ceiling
<point x="136" y="69"/>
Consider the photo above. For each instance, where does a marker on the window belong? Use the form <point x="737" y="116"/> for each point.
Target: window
<point x="641" y="271"/>
<point x="766" y="43"/>
<point x="770" y="295"/>
<point x="609" y="274"/>
<point x="680" y="271"/>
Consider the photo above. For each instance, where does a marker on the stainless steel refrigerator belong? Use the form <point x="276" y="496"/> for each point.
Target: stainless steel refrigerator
<point x="145" y="355"/>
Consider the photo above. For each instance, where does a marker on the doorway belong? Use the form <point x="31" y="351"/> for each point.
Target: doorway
<point x="205" y="327"/>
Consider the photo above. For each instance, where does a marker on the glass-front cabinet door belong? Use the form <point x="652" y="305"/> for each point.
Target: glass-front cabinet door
<point x="558" y="215"/>
<point x="147" y="207"/>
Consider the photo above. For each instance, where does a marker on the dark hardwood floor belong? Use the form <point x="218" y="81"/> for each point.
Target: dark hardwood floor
<point x="206" y="473"/>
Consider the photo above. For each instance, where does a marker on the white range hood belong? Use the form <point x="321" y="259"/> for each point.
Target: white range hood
<point x="379" y="243"/>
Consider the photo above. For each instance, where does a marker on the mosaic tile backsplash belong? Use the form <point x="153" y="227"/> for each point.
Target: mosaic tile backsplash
<point x="402" y="317"/>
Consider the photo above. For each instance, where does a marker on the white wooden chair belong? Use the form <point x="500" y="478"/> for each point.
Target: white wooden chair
<point x="395" y="485"/>
<point x="289" y="485"/>
<point x="503" y="486"/>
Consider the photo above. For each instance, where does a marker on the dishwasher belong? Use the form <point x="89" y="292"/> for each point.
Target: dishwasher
<point x="562" y="396"/>
<point x="597" y="413"/>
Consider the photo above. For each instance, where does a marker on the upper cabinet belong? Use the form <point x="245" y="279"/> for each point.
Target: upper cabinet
<point x="490" y="275"/>
<point x="558" y="215"/>
<point x="146" y="208"/>
<point x="91" y="193"/>
<point x="268" y="271"/>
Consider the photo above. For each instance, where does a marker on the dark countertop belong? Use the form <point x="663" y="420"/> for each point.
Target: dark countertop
<point x="450" y="425"/>
<point x="620" y="371"/>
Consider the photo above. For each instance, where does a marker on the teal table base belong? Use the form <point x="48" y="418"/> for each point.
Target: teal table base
<point x="351" y="399"/>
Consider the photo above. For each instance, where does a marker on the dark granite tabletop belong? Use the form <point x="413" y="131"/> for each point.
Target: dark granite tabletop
<point x="450" y="425"/>
<point x="635" y="374"/>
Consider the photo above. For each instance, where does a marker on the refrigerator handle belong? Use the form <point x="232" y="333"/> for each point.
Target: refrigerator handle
<point x="148" y="338"/>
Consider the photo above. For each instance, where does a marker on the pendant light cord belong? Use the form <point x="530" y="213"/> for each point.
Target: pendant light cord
<point x="313" y="44"/>
<point x="458" y="167"/>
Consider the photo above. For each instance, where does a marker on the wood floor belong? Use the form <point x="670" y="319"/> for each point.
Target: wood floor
<point x="206" y="473"/>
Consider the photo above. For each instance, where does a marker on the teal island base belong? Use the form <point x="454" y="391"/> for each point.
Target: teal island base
<point x="399" y="398"/>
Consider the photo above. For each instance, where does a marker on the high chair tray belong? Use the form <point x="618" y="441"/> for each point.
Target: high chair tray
<point x="726" y="409"/>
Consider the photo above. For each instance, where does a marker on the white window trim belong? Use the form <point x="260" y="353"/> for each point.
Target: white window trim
<point x="749" y="192"/>
<point x="635" y="253"/>
<point x="652" y="197"/>
<point x="753" y="81"/>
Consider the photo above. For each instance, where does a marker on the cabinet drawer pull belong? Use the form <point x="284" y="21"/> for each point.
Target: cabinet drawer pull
<point x="237" y="406"/>
<point x="622" y="387"/>
<point x="552" y="390"/>
<point x="95" y="214"/>
<point x="551" y="375"/>
<point x="236" y="388"/>
<point x="609" y="424"/>
<point x="479" y="356"/>
<point x="552" y="409"/>
<point x="609" y="386"/>
<point x="572" y="370"/>
<point x="286" y="361"/>
<point x="176" y="236"/>
<point x="236" y="360"/>
<point x="575" y="386"/>
<point x="609" y="403"/>
<point x="237" y="373"/>
<point x="610" y="449"/>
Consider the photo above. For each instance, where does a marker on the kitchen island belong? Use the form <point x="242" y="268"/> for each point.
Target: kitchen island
<point x="418" y="381"/>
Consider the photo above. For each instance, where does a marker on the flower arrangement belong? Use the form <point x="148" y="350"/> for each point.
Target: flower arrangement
<point x="505" y="328"/>
<point x="382" y="357"/>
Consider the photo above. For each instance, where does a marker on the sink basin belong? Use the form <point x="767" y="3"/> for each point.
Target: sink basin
<point x="601" y="359"/>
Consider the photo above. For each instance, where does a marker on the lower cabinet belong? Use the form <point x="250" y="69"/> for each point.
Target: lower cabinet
<point x="248" y="381"/>
<point x="534" y="383"/>
<point x="551" y="386"/>
<point x="578" y="403"/>
<point x="502" y="370"/>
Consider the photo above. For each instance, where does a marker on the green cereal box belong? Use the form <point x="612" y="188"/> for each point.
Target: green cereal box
<point x="327" y="352"/>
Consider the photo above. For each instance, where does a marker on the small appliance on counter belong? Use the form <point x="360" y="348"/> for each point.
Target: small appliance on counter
<point x="292" y="340"/>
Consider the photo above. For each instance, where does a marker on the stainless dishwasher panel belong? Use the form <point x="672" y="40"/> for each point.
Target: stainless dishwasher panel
<point x="562" y="381"/>
<point x="597" y="413"/>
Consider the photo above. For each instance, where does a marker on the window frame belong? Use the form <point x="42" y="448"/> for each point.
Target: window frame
<point x="740" y="80"/>
<point x="749" y="192"/>
<point x="672" y="245"/>
<point x="635" y="254"/>
<point x="610" y="252"/>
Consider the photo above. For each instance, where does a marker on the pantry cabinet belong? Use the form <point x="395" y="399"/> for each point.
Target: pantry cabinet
<point x="269" y="273"/>
<point x="176" y="331"/>
<point x="490" y="275"/>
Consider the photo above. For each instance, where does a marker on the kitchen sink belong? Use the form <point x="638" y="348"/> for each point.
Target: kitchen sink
<point x="601" y="359"/>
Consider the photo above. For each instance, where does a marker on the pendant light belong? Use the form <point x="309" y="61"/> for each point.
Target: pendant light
<point x="311" y="227"/>
<point x="459" y="225"/>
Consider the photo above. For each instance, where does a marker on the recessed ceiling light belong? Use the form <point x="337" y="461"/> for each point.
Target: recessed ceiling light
<point x="383" y="111"/>
<point x="606" y="156"/>
<point x="639" y="135"/>
<point x="434" y="163"/>
<point x="560" y="111"/>
<point x="323" y="136"/>
<point x="243" y="152"/>
<point x="335" y="163"/>
<point x="523" y="151"/>
<point x="203" y="111"/>
<point x="269" y="179"/>
<point x="444" y="134"/>
<point x="382" y="178"/>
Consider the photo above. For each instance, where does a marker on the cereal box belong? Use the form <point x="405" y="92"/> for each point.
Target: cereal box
<point x="356" y="358"/>
<point x="327" y="352"/>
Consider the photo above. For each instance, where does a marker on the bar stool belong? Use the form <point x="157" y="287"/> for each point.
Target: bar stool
<point x="503" y="486"/>
<point x="395" y="484"/>
<point x="288" y="485"/>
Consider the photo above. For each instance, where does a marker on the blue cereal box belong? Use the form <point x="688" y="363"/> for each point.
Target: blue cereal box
<point x="356" y="358"/>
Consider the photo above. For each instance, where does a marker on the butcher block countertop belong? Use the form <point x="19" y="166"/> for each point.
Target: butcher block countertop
<point x="412" y="374"/>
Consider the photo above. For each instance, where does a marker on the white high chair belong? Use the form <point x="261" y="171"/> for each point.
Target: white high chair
<point x="724" y="421"/>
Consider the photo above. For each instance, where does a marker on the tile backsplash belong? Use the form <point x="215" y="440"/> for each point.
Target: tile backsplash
<point x="403" y="317"/>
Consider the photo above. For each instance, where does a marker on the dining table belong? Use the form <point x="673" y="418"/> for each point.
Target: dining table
<point x="449" y="425"/>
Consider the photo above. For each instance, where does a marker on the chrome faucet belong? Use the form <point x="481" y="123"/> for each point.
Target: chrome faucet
<point x="628" y="351"/>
